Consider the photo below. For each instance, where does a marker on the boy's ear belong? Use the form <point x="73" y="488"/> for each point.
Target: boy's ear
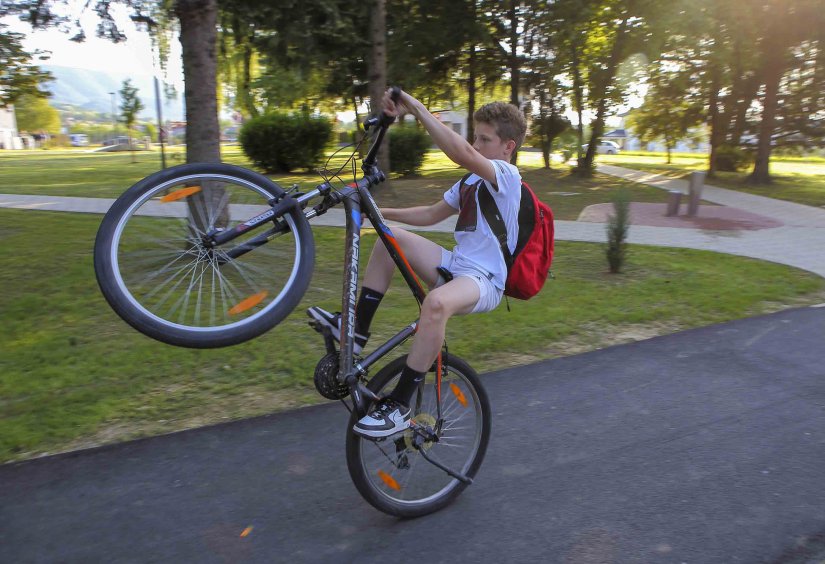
<point x="510" y="146"/>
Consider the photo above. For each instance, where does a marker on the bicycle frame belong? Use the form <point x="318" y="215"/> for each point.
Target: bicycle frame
<point x="357" y="199"/>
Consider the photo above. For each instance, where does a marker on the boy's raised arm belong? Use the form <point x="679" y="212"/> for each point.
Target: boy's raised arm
<point x="454" y="145"/>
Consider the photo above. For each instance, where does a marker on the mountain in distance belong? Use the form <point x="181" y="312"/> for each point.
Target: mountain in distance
<point x="89" y="90"/>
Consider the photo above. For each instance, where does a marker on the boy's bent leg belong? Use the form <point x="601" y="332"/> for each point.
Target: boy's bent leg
<point x="393" y="415"/>
<point x="423" y="255"/>
<point x="458" y="296"/>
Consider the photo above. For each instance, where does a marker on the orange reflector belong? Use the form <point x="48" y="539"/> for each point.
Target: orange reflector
<point x="389" y="480"/>
<point x="180" y="194"/>
<point x="246" y="532"/>
<point x="458" y="394"/>
<point x="248" y="303"/>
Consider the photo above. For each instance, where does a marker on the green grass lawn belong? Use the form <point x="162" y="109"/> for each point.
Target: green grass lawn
<point x="79" y="173"/>
<point x="795" y="179"/>
<point x="72" y="374"/>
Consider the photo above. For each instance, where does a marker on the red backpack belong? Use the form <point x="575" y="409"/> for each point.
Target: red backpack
<point x="529" y="265"/>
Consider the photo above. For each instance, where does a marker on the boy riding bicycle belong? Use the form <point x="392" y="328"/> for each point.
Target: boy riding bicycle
<point x="476" y="264"/>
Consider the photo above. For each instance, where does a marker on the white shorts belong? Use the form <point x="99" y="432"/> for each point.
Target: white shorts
<point x="489" y="295"/>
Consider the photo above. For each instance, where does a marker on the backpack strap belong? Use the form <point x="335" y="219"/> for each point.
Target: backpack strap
<point x="493" y="217"/>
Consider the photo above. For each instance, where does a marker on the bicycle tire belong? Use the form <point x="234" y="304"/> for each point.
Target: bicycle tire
<point x="396" y="494"/>
<point x="149" y="246"/>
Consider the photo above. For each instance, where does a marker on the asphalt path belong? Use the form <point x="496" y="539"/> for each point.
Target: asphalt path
<point x="703" y="446"/>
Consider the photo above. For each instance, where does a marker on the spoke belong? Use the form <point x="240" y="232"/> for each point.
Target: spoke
<point x="182" y="273"/>
<point x="215" y="212"/>
<point x="168" y="295"/>
<point x="196" y="277"/>
<point x="150" y="276"/>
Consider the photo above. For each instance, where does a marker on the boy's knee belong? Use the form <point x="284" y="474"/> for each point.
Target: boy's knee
<point x="435" y="306"/>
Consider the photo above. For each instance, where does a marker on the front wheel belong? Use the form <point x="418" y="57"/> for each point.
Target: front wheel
<point x="391" y="474"/>
<point x="156" y="271"/>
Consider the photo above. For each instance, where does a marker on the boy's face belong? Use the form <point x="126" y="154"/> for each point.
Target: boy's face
<point x="489" y="144"/>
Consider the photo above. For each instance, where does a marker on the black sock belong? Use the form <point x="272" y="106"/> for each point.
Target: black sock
<point x="407" y="384"/>
<point x="365" y="309"/>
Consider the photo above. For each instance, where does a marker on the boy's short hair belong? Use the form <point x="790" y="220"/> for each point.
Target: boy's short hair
<point x="506" y="118"/>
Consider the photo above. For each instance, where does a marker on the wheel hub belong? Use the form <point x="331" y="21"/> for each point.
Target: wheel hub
<point x="422" y="420"/>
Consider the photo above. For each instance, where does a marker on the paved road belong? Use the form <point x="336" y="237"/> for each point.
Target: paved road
<point x="706" y="446"/>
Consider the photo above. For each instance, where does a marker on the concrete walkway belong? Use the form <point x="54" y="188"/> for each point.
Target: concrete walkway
<point x="799" y="242"/>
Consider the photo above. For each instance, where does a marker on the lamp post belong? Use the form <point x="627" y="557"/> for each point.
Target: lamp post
<point x="114" y="120"/>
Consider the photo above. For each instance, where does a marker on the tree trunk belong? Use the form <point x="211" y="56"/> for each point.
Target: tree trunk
<point x="774" y="69"/>
<point x="198" y="37"/>
<point x="378" y="71"/>
<point x="578" y="97"/>
<point x="713" y="118"/>
<point x="248" y="100"/>
<point x="514" y="63"/>
<point x="471" y="96"/>
<point x="609" y="74"/>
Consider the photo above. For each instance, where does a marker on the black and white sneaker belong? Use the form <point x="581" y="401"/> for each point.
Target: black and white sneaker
<point x="333" y="321"/>
<point x="389" y="418"/>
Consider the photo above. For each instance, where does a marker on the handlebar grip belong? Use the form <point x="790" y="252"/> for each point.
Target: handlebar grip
<point x="384" y="119"/>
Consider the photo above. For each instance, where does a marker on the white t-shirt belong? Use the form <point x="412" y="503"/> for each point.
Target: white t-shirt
<point x="476" y="244"/>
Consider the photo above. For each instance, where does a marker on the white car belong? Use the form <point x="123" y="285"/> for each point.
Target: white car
<point x="606" y="148"/>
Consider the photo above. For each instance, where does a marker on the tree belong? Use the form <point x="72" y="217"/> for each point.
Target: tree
<point x="130" y="107"/>
<point x="624" y="27"/>
<point x="35" y="114"/>
<point x="198" y="37"/>
<point x="668" y="113"/>
<point x="785" y="26"/>
<point x="378" y="70"/>
<point x="18" y="76"/>
<point x="197" y="21"/>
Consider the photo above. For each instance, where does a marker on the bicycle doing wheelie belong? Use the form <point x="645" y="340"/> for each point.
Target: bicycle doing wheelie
<point x="211" y="255"/>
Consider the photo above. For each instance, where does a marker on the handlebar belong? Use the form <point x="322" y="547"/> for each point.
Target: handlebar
<point x="384" y="120"/>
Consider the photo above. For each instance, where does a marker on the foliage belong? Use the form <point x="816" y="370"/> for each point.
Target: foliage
<point x="280" y="142"/>
<point x="35" y="114"/>
<point x="668" y="113"/>
<point x="618" y="225"/>
<point x="732" y="159"/>
<point x="18" y="76"/>
<point x="408" y="145"/>
<point x="130" y="104"/>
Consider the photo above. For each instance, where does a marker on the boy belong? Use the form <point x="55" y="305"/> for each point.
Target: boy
<point x="476" y="262"/>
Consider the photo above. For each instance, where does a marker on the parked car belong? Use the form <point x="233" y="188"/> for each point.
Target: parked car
<point x="606" y="148"/>
<point x="79" y="139"/>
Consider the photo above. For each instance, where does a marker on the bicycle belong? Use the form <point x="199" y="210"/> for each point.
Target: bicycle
<point x="173" y="261"/>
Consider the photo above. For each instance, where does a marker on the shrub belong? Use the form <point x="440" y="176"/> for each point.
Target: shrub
<point x="731" y="159"/>
<point x="408" y="145"/>
<point x="279" y="142"/>
<point x="618" y="225"/>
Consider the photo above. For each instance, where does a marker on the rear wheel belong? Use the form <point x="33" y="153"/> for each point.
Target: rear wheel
<point x="392" y="475"/>
<point x="158" y="274"/>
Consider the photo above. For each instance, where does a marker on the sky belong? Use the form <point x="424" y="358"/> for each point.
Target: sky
<point x="133" y="55"/>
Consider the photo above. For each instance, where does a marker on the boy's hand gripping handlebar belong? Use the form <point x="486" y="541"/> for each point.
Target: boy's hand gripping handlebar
<point x="384" y="119"/>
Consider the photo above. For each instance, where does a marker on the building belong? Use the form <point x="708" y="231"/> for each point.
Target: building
<point x="457" y="121"/>
<point x="9" y="138"/>
<point x="627" y="141"/>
